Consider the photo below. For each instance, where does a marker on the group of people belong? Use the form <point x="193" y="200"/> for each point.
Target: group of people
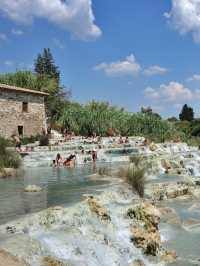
<point x="70" y="161"/>
<point x="123" y="141"/>
<point x="66" y="162"/>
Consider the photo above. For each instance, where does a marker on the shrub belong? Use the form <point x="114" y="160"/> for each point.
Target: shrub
<point x="8" y="158"/>
<point x="193" y="141"/>
<point x="135" y="159"/>
<point x="44" y="141"/>
<point x="196" y="131"/>
<point x="135" y="177"/>
<point x="31" y="139"/>
<point x="134" y="174"/>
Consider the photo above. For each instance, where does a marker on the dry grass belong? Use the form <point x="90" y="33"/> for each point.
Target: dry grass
<point x="134" y="174"/>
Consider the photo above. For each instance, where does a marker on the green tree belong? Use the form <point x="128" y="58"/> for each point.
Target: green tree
<point x="45" y="65"/>
<point x="187" y="113"/>
<point x="149" y="111"/>
<point x="172" y="119"/>
<point x="24" y="79"/>
<point x="48" y="80"/>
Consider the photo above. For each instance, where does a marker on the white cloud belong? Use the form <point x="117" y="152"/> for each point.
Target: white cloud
<point x="185" y="17"/>
<point x="174" y="92"/>
<point x="17" y="32"/>
<point x="9" y="63"/>
<point x="127" y="67"/>
<point x="58" y="43"/>
<point x="3" y="37"/>
<point x="76" y="16"/>
<point x="151" y="93"/>
<point x="155" y="70"/>
<point x="195" y="77"/>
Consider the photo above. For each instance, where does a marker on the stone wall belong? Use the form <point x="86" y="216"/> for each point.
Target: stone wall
<point x="12" y="115"/>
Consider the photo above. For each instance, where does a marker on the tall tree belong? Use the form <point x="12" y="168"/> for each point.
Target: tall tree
<point x="48" y="80"/>
<point x="45" y="65"/>
<point x="187" y="113"/>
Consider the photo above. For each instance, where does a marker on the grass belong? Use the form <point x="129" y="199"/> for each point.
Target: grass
<point x="8" y="158"/>
<point x="193" y="141"/>
<point x="134" y="174"/>
<point x="136" y="160"/>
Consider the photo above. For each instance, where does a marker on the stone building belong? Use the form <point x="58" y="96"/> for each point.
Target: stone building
<point x="22" y="111"/>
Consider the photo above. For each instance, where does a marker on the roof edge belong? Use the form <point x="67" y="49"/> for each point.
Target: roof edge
<point x="18" y="89"/>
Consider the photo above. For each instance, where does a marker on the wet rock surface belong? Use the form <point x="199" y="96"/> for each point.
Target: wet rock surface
<point x="49" y="261"/>
<point x="169" y="256"/>
<point x="137" y="263"/>
<point x="6" y="259"/>
<point x="146" y="235"/>
<point x="96" y="208"/>
<point x="8" y="172"/>
<point x="32" y="188"/>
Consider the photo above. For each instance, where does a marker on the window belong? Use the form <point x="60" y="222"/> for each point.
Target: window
<point x="24" y="107"/>
<point x="20" y="130"/>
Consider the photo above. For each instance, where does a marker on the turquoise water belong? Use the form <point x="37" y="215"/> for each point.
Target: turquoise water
<point x="184" y="239"/>
<point x="60" y="186"/>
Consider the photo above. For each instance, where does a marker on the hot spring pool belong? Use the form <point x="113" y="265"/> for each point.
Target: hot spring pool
<point x="60" y="187"/>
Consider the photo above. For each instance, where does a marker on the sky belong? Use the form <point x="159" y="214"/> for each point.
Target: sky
<point x="129" y="53"/>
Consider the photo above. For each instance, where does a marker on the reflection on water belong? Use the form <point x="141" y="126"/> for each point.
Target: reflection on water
<point x="60" y="187"/>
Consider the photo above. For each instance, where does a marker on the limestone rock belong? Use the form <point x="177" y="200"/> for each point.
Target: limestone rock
<point x="96" y="208"/>
<point x="149" y="241"/>
<point x="137" y="263"/>
<point x="51" y="216"/>
<point x="145" y="233"/>
<point x="6" y="259"/>
<point x="8" y="172"/>
<point x="32" y="188"/>
<point x="169" y="215"/>
<point x="177" y="191"/>
<point x="152" y="147"/>
<point x="147" y="213"/>
<point x="50" y="261"/>
<point x="168" y="256"/>
<point x="165" y="164"/>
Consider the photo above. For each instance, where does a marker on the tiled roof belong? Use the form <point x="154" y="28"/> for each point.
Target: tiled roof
<point x="17" y="89"/>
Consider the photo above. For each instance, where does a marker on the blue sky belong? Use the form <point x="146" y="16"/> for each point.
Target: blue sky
<point x="130" y="53"/>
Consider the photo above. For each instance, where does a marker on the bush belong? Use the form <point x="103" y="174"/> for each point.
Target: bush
<point x="193" y="141"/>
<point x="31" y="139"/>
<point x="196" y="131"/>
<point x="135" y="159"/>
<point x="135" y="174"/>
<point x="8" y="158"/>
<point x="44" y="141"/>
<point x="136" y="179"/>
